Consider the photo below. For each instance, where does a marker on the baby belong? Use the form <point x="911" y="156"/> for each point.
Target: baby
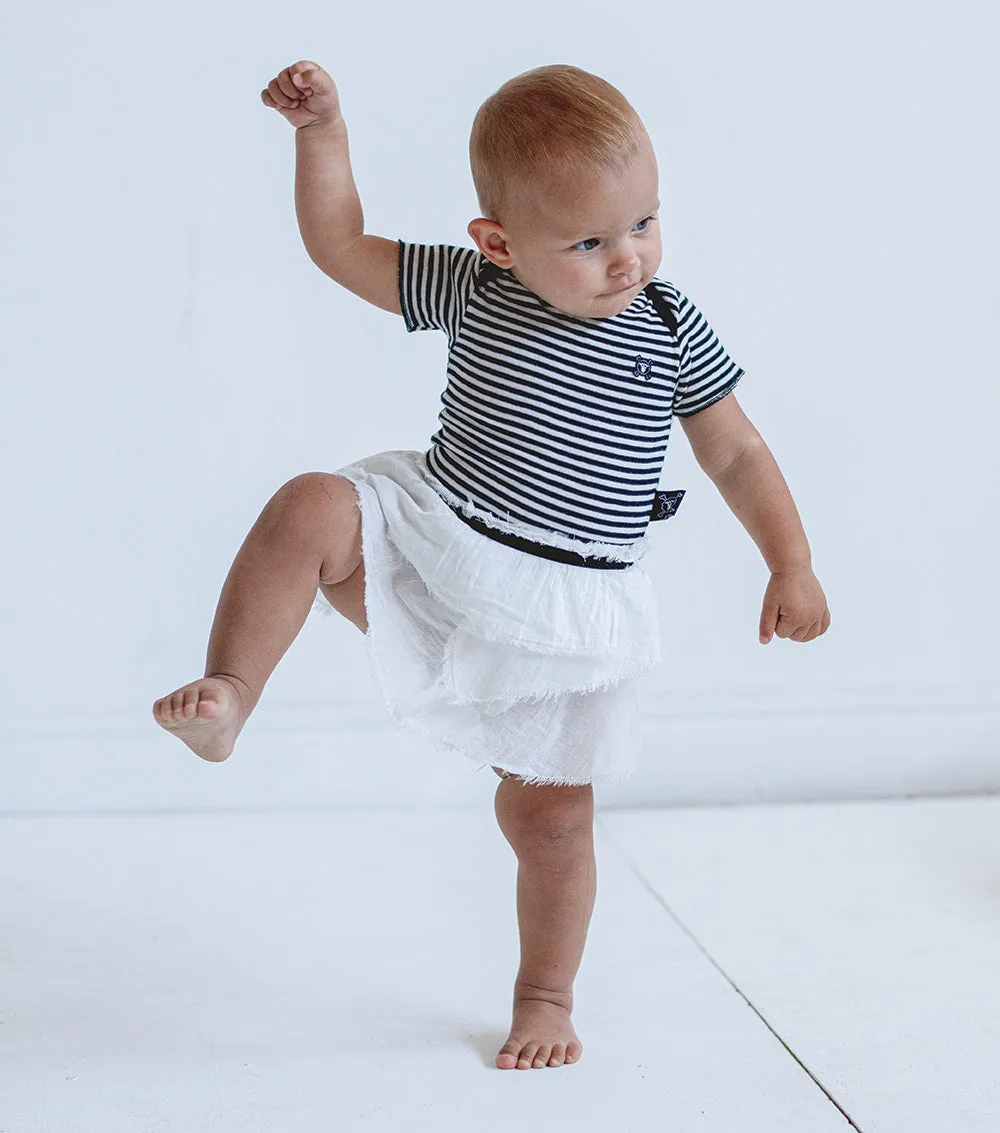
<point x="496" y="576"/>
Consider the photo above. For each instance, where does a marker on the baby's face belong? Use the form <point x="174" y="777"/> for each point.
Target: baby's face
<point x="587" y="243"/>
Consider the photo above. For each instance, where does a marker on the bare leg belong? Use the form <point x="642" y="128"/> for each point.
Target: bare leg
<point x="308" y="535"/>
<point x="551" y="829"/>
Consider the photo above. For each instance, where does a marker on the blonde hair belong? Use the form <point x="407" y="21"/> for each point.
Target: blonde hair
<point x="555" y="118"/>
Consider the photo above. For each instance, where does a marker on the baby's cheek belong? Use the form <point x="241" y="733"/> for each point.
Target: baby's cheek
<point x="582" y="280"/>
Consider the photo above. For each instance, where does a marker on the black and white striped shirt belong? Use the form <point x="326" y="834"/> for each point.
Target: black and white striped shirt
<point x="557" y="422"/>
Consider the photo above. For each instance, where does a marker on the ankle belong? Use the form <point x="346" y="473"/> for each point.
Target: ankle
<point x="244" y="694"/>
<point x="525" y="991"/>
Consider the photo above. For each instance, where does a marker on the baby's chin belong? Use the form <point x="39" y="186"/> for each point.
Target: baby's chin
<point x="597" y="306"/>
<point x="607" y="306"/>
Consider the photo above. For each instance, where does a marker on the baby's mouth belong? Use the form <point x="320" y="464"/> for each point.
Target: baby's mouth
<point x="622" y="290"/>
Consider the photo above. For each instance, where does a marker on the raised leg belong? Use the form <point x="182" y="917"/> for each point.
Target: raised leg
<point x="308" y="535"/>
<point x="551" y="830"/>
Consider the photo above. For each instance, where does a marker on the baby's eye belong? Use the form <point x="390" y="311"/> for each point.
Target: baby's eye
<point x="593" y="241"/>
<point x="644" y="224"/>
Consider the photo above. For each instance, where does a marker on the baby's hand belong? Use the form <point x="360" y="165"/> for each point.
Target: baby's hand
<point x="303" y="94"/>
<point x="794" y="606"/>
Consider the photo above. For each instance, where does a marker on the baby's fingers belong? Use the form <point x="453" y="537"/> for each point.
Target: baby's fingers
<point x="287" y="83"/>
<point x="816" y="629"/>
<point x="283" y="100"/>
<point x="804" y="633"/>
<point x="309" y="78"/>
<point x="302" y="80"/>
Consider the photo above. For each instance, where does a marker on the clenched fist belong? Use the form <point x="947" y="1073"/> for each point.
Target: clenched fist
<point x="303" y="94"/>
<point x="794" y="606"/>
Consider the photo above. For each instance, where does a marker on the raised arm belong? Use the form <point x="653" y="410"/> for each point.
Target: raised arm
<point x="326" y="199"/>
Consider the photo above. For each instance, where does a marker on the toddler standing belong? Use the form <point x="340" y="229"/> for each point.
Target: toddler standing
<point x="496" y="575"/>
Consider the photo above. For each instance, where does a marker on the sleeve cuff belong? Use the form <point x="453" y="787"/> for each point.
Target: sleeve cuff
<point x="717" y="396"/>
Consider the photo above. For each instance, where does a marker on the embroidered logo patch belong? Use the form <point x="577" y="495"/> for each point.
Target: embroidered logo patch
<point x="643" y="368"/>
<point x="666" y="503"/>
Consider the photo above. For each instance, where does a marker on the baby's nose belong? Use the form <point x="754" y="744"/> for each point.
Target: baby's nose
<point x="626" y="266"/>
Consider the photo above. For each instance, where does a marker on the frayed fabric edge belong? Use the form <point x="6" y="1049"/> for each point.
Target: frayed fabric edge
<point x="489" y="634"/>
<point x="527" y="777"/>
<point x="603" y="685"/>
<point x="551" y="781"/>
<point x="617" y="552"/>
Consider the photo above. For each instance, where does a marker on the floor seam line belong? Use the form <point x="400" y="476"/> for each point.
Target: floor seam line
<point x="658" y="898"/>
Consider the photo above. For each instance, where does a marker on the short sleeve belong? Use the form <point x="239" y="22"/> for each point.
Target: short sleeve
<point x="435" y="282"/>
<point x="707" y="373"/>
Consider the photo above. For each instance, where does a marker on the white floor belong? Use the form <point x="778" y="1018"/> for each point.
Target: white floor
<point x="324" y="970"/>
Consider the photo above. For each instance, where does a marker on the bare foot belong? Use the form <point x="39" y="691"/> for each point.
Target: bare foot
<point x="207" y="715"/>
<point x="540" y="1035"/>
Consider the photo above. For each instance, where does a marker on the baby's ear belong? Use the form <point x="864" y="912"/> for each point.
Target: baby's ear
<point x="491" y="240"/>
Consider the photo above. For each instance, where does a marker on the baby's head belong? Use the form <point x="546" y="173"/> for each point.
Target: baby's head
<point x="567" y="181"/>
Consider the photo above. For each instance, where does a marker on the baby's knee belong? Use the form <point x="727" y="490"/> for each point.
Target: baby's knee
<point x="538" y="815"/>
<point x="316" y="491"/>
<point x="316" y="515"/>
<point x="315" y="506"/>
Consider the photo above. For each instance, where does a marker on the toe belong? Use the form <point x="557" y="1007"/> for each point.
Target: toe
<point x="558" y="1056"/>
<point x="191" y="703"/>
<point x="507" y="1058"/>
<point x="527" y="1056"/>
<point x="573" y="1051"/>
<point x="542" y="1056"/>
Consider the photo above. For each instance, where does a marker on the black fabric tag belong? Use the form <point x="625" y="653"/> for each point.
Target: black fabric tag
<point x="662" y="307"/>
<point x="666" y="503"/>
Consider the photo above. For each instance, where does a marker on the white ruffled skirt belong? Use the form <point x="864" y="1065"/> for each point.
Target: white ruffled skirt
<point x="513" y="660"/>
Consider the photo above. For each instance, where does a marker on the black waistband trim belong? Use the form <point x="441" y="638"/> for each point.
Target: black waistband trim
<point x="542" y="550"/>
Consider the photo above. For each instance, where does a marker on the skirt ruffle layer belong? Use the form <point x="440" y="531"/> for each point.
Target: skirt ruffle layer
<point x="513" y="660"/>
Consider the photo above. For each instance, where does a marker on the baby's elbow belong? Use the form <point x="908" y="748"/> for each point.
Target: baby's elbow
<point x="733" y="460"/>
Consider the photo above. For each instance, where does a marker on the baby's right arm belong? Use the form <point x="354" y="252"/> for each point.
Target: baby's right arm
<point x="326" y="198"/>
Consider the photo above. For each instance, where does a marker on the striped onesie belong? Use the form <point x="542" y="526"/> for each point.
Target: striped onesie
<point x="551" y="420"/>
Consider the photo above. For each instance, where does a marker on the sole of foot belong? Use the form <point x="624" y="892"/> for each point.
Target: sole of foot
<point x="541" y="1035"/>
<point x="206" y="714"/>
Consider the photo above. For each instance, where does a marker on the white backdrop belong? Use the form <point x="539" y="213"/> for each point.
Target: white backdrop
<point x="829" y="182"/>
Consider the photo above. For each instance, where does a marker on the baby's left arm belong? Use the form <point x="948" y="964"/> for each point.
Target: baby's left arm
<point x="734" y="456"/>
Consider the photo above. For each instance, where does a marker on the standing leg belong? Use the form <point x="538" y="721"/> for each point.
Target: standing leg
<point x="551" y="830"/>
<point x="308" y="535"/>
